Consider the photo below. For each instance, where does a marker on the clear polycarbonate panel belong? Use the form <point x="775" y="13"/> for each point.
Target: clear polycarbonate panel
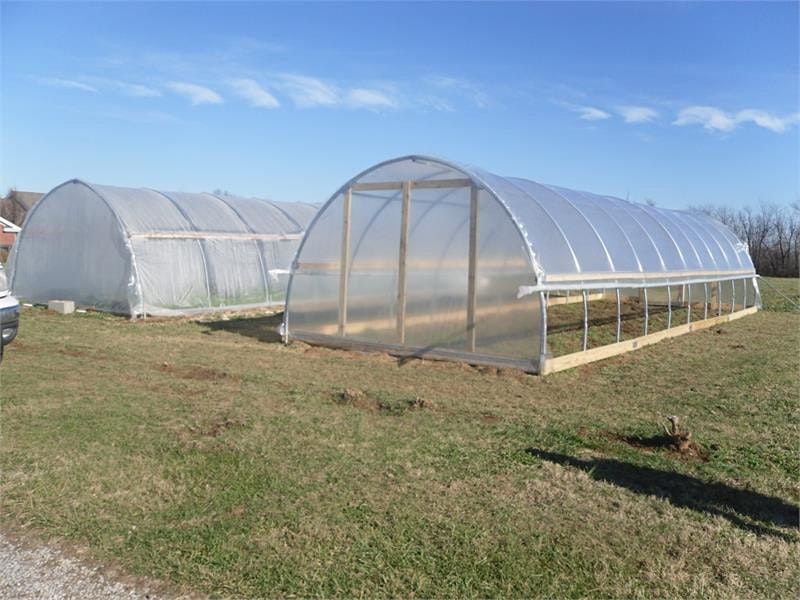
<point x="718" y="246"/>
<point x="263" y="216"/>
<point x="615" y="242"/>
<point x="437" y="268"/>
<point x="298" y="213"/>
<point x="736" y="250"/>
<point x="668" y="249"/>
<point x="171" y="275"/>
<point x="142" y="211"/>
<point x="507" y="324"/>
<point x="642" y="243"/>
<point x="72" y="248"/>
<point x="415" y="169"/>
<point x="236" y="273"/>
<point x="207" y="213"/>
<point x="374" y="253"/>
<point x="706" y="256"/>
<point x="544" y="235"/>
<point x="587" y="245"/>
<point x="682" y="238"/>
<point x="314" y="294"/>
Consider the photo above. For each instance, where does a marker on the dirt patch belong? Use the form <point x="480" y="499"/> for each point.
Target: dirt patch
<point x="194" y="372"/>
<point x="661" y="441"/>
<point x="490" y="418"/>
<point x="501" y="372"/>
<point x="199" y="436"/>
<point x="379" y="402"/>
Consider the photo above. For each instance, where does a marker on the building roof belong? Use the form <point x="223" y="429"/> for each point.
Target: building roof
<point x="24" y="199"/>
<point x="8" y="226"/>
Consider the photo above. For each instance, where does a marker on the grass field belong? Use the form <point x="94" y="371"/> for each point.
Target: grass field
<point x="211" y="457"/>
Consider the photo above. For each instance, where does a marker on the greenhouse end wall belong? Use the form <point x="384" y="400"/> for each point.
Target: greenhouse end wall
<point x="419" y="256"/>
<point x="422" y="307"/>
<point x="146" y="252"/>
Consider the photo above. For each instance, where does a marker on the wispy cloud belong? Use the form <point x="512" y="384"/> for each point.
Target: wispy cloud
<point x="637" y="114"/>
<point x="437" y="103"/>
<point x="197" y="94"/>
<point x="307" y="91"/>
<point x="254" y="93"/>
<point x="137" y="90"/>
<point x="370" y="98"/>
<point x="461" y="86"/>
<point x="66" y="83"/>
<point x="716" y="119"/>
<point x="766" y="120"/>
<point x="709" y="117"/>
<point x="590" y="113"/>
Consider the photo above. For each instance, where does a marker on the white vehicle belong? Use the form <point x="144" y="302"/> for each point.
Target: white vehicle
<point x="9" y="313"/>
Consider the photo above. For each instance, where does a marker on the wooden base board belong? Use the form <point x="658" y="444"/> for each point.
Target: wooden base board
<point x="560" y="363"/>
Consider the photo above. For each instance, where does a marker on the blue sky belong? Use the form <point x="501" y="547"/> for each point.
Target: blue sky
<point x="680" y="103"/>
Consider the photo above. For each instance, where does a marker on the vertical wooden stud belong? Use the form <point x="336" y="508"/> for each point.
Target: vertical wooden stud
<point x="401" y="268"/>
<point x="473" y="267"/>
<point x="344" y="264"/>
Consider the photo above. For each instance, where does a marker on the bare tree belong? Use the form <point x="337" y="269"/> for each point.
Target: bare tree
<point x="772" y="234"/>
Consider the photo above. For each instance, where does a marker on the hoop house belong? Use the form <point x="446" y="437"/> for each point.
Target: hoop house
<point x="141" y="251"/>
<point x="420" y="256"/>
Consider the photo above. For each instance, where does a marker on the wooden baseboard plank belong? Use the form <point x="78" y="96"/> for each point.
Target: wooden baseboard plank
<point x="568" y="361"/>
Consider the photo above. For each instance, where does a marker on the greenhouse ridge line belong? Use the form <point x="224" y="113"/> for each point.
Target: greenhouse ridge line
<point x="216" y="235"/>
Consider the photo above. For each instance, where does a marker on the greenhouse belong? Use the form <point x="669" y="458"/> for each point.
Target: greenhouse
<point x="419" y="256"/>
<point x="144" y="252"/>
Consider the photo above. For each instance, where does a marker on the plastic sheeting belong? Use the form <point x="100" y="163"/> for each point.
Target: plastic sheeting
<point x="142" y="251"/>
<point x="530" y="238"/>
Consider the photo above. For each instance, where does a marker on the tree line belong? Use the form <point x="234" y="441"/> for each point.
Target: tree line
<point x="771" y="232"/>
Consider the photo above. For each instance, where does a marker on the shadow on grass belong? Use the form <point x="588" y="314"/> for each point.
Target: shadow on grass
<point x="735" y="505"/>
<point x="264" y="328"/>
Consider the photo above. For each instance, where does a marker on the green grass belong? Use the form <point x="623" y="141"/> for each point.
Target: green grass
<point x="209" y="456"/>
<point x="780" y="293"/>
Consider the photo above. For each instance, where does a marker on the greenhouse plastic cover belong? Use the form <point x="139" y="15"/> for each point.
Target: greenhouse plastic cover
<point x="531" y="237"/>
<point x="141" y="251"/>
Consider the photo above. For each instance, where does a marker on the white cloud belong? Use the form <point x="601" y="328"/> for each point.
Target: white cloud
<point x="197" y="94"/>
<point x="369" y="98"/>
<point x="137" y="90"/>
<point x="637" y="114"/>
<point x="590" y="113"/>
<point x="766" y="120"/>
<point x="307" y="91"/>
<point x="254" y="93"/>
<point x="67" y="83"/>
<point x="716" y="119"/>
<point x="709" y="117"/>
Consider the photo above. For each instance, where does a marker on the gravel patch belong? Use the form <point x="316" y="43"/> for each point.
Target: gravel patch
<point x="46" y="573"/>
